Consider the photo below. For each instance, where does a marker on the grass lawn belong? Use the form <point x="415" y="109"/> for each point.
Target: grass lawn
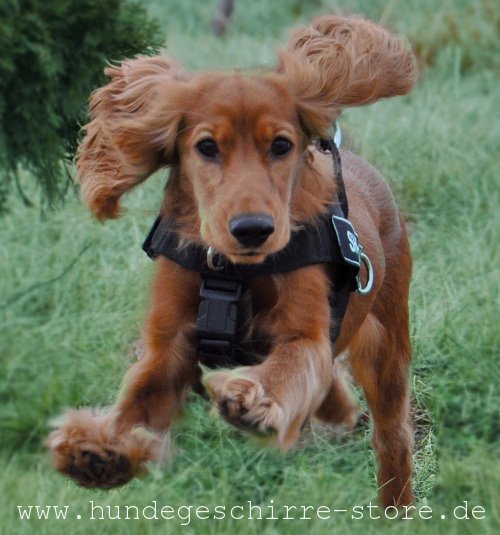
<point x="73" y="294"/>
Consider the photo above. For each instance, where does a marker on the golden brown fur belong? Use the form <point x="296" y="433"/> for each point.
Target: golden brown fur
<point x="154" y="114"/>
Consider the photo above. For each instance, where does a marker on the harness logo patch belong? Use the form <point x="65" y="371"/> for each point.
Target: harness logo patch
<point x="347" y="240"/>
<point x="353" y="242"/>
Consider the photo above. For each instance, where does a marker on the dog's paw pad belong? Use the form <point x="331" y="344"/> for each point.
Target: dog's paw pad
<point x="103" y="470"/>
<point x="86" y="447"/>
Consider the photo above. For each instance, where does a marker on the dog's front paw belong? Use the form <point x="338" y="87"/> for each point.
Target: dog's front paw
<point x="86" y="447"/>
<point x="244" y="403"/>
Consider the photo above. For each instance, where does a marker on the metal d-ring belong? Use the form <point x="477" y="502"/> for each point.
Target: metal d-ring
<point x="210" y="260"/>
<point x="369" y="269"/>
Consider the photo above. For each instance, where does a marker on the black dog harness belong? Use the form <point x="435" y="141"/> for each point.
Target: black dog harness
<point x="225" y="303"/>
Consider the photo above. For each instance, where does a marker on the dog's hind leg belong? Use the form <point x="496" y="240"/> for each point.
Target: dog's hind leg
<point x="384" y="377"/>
<point x="107" y="447"/>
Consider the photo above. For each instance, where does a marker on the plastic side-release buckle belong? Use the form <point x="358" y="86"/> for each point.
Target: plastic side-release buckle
<point x="217" y="323"/>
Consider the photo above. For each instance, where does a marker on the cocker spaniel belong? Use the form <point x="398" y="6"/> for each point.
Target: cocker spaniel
<point x="245" y="178"/>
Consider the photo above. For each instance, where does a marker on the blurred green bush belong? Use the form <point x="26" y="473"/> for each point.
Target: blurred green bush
<point x="53" y="55"/>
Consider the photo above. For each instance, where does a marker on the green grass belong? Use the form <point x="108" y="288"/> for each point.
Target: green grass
<point x="67" y="342"/>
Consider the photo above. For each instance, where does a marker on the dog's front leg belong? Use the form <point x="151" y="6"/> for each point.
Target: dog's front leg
<point x="276" y="397"/>
<point x="107" y="447"/>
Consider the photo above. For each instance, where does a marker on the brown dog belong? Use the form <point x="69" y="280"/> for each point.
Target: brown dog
<point x="239" y="143"/>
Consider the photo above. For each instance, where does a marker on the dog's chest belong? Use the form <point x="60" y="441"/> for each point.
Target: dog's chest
<point x="260" y="303"/>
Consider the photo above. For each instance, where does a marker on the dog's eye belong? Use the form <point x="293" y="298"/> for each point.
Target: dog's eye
<point x="280" y="146"/>
<point x="208" y="147"/>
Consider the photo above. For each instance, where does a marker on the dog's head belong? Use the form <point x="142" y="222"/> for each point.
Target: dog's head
<point x="236" y="141"/>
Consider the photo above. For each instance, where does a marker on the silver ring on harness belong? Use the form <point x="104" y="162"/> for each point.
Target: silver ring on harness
<point x="210" y="260"/>
<point x="366" y="289"/>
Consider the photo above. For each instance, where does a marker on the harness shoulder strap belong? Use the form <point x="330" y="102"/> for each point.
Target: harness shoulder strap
<point x="329" y="145"/>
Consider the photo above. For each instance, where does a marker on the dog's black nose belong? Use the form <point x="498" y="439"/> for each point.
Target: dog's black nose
<point x="251" y="230"/>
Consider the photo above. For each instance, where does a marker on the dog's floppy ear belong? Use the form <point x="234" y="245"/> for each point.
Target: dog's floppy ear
<point x="344" y="61"/>
<point x="134" y="121"/>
